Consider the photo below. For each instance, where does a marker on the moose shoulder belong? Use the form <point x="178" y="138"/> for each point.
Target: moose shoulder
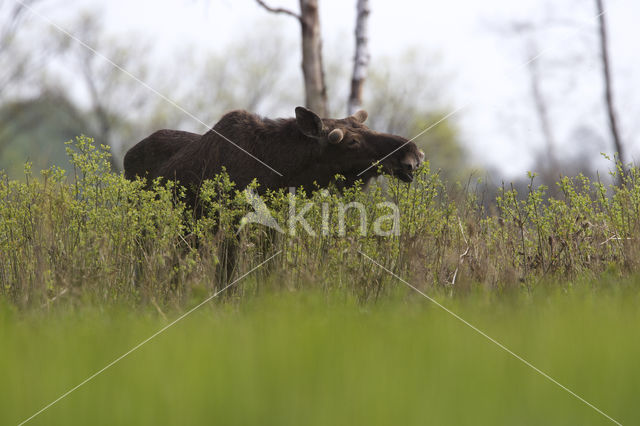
<point x="303" y="151"/>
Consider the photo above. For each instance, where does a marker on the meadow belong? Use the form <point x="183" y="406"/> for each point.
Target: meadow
<point x="317" y="358"/>
<point x="92" y="264"/>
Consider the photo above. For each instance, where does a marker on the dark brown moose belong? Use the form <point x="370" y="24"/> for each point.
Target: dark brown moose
<point x="304" y="151"/>
<point x="148" y="155"/>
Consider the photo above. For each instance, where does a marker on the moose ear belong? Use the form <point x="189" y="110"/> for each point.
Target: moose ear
<point x="361" y="116"/>
<point x="309" y="122"/>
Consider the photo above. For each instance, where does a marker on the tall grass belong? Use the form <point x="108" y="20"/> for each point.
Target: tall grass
<point x="320" y="358"/>
<point x="96" y="236"/>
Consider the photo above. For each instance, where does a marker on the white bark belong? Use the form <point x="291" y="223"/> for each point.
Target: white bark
<point x="361" y="57"/>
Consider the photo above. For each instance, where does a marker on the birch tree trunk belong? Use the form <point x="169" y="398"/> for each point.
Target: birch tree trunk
<point x="361" y="58"/>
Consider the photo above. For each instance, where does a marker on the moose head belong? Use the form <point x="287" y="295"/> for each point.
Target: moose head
<point x="348" y="147"/>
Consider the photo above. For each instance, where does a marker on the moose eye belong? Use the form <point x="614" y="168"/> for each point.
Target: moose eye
<point x="352" y="142"/>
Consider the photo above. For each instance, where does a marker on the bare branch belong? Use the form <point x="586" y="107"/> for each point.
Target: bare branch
<point x="279" y="10"/>
<point x="608" y="85"/>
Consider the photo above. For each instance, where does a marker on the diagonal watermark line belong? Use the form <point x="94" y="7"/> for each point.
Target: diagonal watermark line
<point x="377" y="162"/>
<point x="467" y="104"/>
<point x="136" y="347"/>
<point x="492" y="340"/>
<point x="143" y="83"/>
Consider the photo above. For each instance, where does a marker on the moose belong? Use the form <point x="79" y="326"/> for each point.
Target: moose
<point x="306" y="151"/>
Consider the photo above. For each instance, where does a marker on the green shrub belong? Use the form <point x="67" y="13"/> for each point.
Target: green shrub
<point x="97" y="236"/>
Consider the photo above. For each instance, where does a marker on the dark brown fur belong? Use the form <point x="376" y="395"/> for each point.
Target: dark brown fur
<point x="298" y="148"/>
<point x="152" y="152"/>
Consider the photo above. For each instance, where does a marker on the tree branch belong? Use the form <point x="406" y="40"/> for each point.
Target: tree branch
<point x="279" y="10"/>
<point x="608" y="86"/>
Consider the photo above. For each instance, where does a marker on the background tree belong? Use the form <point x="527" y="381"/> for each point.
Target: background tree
<point x="35" y="129"/>
<point x="22" y="63"/>
<point x="312" y="66"/>
<point x="547" y="164"/>
<point x="361" y="56"/>
<point x="99" y="100"/>
<point x="556" y="81"/>
<point x="115" y="99"/>
<point x="13" y="62"/>
<point x="608" y="84"/>
<point x="245" y="74"/>
<point x="397" y="104"/>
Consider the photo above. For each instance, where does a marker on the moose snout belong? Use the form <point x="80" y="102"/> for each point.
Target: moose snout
<point x="410" y="162"/>
<point x="408" y="166"/>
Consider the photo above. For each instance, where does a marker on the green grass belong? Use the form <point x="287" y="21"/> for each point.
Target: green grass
<point x="95" y="235"/>
<point x="322" y="358"/>
<point x="93" y="264"/>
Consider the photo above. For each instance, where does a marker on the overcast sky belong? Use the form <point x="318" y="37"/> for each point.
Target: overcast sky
<point x="486" y="62"/>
